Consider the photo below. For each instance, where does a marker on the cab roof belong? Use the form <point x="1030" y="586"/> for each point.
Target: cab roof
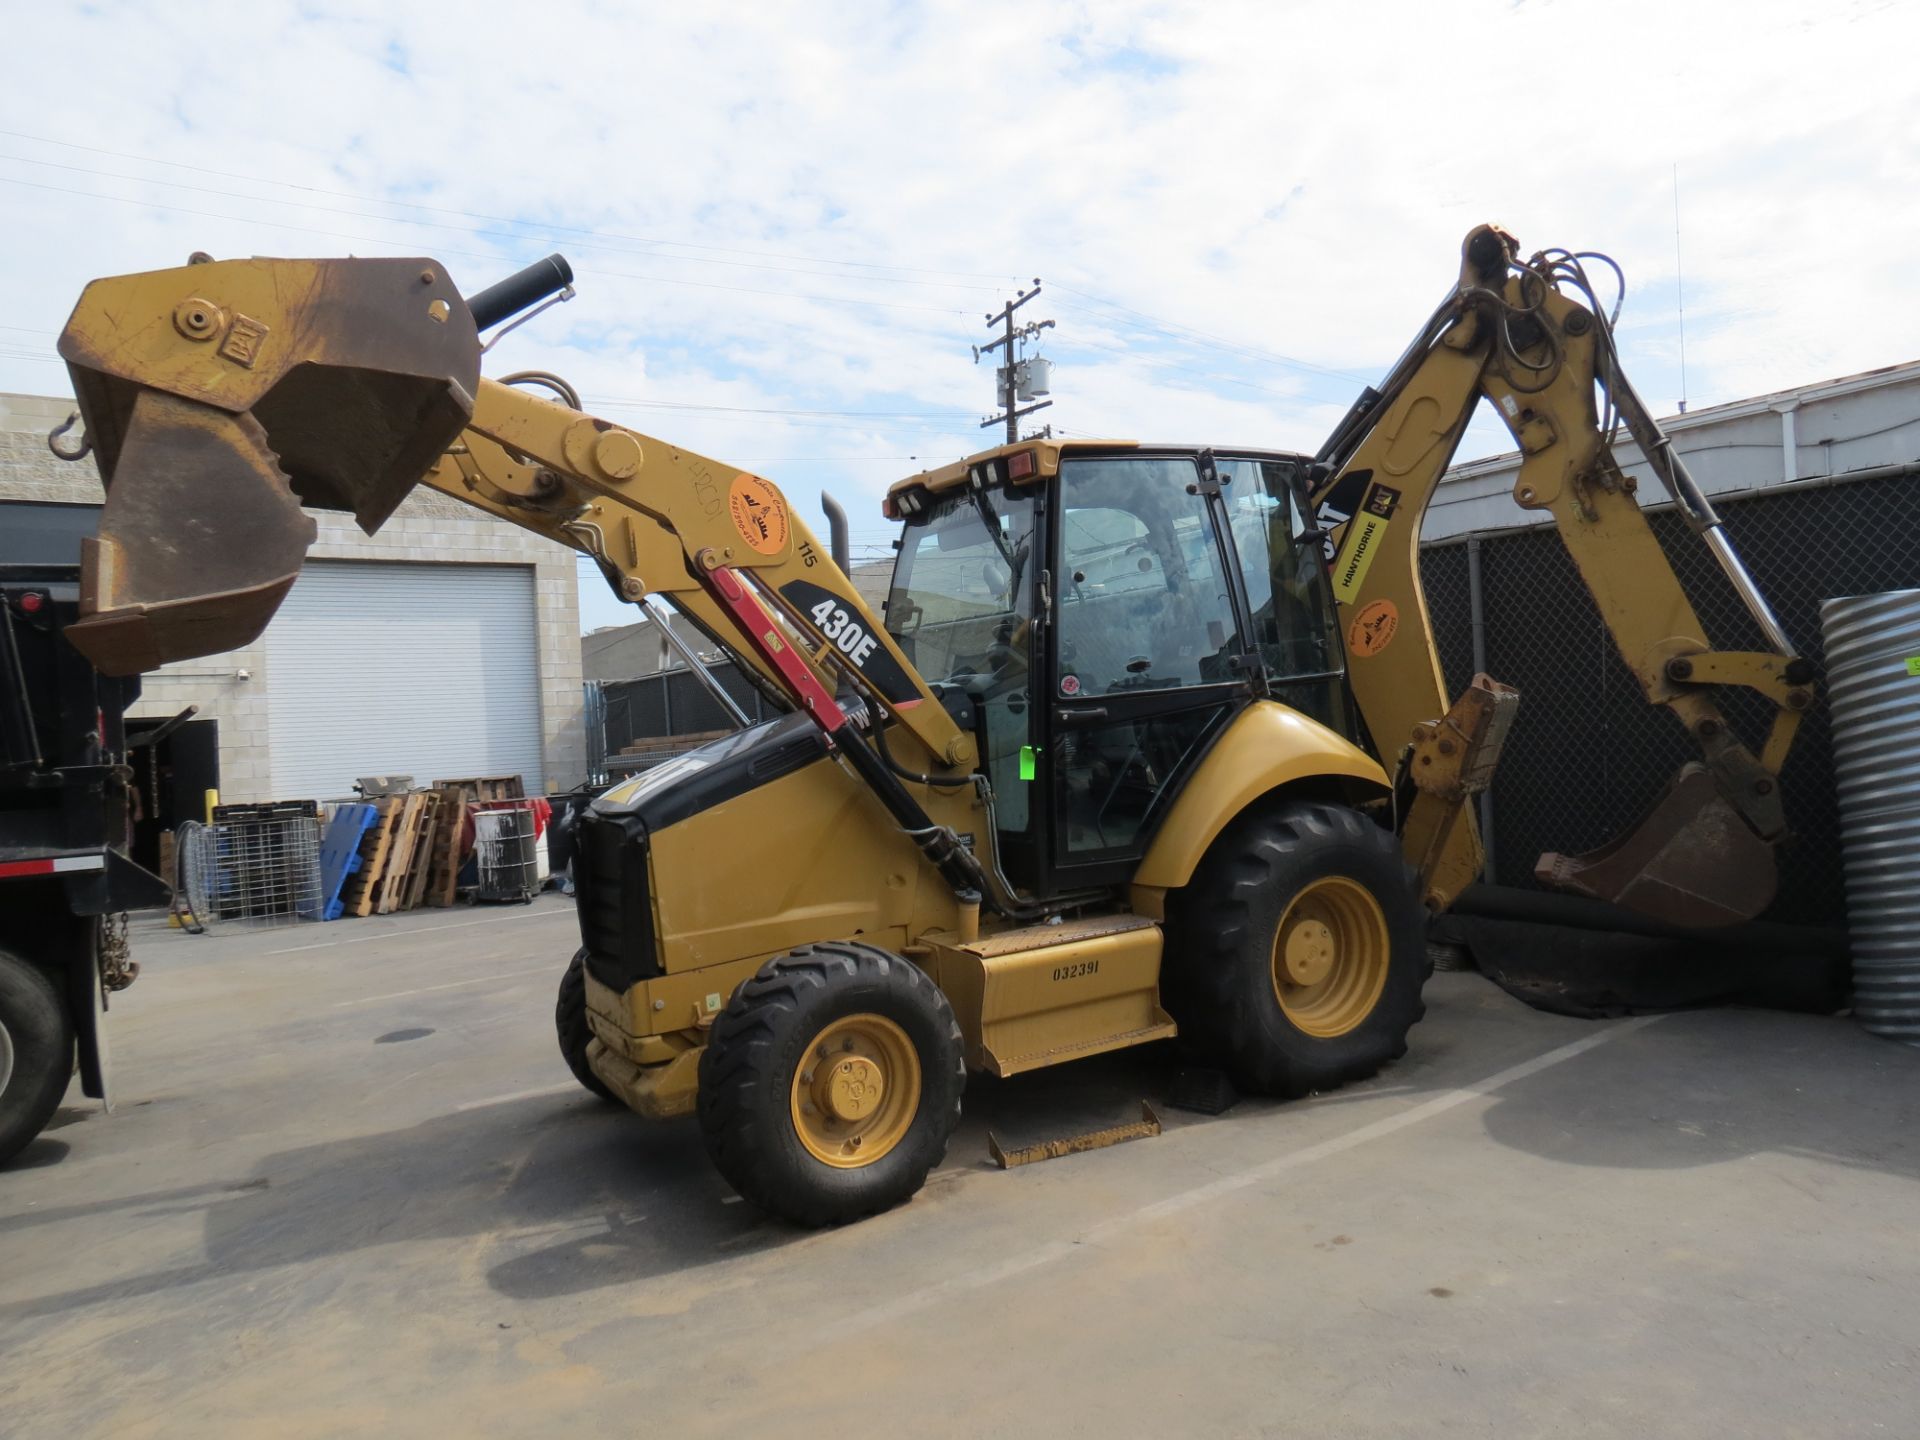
<point x="1047" y="455"/>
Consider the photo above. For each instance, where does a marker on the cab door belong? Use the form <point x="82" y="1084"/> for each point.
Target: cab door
<point x="963" y="609"/>
<point x="1145" y="655"/>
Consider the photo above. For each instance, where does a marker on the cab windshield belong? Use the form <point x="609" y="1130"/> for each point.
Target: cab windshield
<point x="962" y="587"/>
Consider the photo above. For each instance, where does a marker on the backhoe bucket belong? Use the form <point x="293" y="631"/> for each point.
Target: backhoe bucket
<point x="221" y="397"/>
<point x="1692" y="861"/>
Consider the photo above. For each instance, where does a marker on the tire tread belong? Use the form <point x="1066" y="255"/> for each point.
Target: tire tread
<point x="739" y="1063"/>
<point x="570" y="1021"/>
<point x="1210" y="980"/>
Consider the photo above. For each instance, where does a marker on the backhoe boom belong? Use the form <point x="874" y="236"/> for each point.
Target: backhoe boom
<point x="1514" y="335"/>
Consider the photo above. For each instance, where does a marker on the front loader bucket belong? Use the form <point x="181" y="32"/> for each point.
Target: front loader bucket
<point x="1693" y="861"/>
<point x="221" y="397"/>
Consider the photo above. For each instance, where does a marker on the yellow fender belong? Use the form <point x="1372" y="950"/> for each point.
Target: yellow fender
<point x="1266" y="747"/>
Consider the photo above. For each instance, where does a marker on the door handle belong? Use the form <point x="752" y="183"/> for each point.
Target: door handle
<point x="1079" y="719"/>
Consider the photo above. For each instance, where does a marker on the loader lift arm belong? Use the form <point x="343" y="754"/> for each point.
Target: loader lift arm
<point x="341" y="384"/>
<point x="1518" y="335"/>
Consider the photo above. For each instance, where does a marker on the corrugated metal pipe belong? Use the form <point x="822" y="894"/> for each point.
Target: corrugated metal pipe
<point x="1873" y="692"/>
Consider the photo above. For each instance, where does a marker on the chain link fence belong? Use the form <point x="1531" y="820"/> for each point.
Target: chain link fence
<point x="1588" y="756"/>
<point x="669" y="705"/>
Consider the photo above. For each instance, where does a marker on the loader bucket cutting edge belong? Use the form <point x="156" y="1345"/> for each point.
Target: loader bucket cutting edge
<point x="1691" y="862"/>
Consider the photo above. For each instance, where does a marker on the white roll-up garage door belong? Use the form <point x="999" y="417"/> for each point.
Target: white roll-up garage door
<point x="384" y="669"/>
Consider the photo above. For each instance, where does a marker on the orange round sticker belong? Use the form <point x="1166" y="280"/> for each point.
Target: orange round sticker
<point x="759" y="514"/>
<point x="1372" y="629"/>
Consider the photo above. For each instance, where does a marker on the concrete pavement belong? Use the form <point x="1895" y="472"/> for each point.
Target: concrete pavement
<point x="350" y="1188"/>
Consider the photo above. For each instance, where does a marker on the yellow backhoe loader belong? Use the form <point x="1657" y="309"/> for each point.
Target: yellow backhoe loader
<point x="1145" y="739"/>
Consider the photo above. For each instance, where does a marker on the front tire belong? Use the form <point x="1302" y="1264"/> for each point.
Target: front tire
<point x="1298" y="951"/>
<point x="36" y="1053"/>
<point x="831" y="1083"/>
<point x="570" y="1020"/>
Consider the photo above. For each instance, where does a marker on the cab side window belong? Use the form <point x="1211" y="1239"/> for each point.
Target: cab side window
<point x="1287" y="592"/>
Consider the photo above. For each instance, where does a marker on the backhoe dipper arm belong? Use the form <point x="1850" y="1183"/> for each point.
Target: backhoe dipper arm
<point x="1512" y="334"/>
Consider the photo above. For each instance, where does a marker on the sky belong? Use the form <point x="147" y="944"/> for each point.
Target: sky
<point x="788" y="222"/>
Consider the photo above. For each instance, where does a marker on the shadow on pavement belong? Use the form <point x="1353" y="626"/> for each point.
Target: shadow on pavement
<point x="572" y="1195"/>
<point x="543" y="1163"/>
<point x="1707" y="1087"/>
<point x="35" y="1153"/>
<point x="576" y="1195"/>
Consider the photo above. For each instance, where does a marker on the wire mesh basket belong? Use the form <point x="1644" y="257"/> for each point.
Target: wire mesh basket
<point x="259" y="867"/>
<point x="192" y="874"/>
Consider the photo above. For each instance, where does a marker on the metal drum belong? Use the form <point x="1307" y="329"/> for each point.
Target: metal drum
<point x="1873" y="688"/>
<point x="505" y="843"/>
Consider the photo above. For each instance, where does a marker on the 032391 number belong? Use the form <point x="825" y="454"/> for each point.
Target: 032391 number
<point x="1076" y="970"/>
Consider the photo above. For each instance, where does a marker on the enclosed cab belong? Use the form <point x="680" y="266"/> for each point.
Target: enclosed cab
<point x="1109" y="612"/>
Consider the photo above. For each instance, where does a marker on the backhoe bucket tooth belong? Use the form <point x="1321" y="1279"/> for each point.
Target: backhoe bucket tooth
<point x="223" y="396"/>
<point x="1691" y="862"/>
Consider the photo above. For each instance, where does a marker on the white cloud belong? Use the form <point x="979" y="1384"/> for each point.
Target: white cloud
<point x="1289" y="179"/>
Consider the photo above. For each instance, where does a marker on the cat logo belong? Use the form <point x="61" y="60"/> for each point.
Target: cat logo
<point x="759" y="514"/>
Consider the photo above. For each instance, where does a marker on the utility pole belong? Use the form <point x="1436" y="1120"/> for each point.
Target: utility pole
<point x="1015" y="376"/>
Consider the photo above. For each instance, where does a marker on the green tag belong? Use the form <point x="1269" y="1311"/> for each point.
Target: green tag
<point x="1027" y="752"/>
<point x="1913" y="665"/>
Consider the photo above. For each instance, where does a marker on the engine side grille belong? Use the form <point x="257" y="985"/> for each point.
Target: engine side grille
<point x="616" y="913"/>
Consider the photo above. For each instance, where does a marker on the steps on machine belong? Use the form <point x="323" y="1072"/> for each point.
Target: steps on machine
<point x="1047" y="993"/>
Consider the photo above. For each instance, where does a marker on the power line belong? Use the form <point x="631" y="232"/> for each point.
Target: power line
<point x="530" y="229"/>
<point x="1154" y="363"/>
<point x="475" y="255"/>
<point x="542" y="233"/>
<point x="759" y="410"/>
<point x="1178" y="331"/>
<point x="476" y="215"/>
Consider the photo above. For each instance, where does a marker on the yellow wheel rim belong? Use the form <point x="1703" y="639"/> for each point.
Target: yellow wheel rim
<point x="856" y="1091"/>
<point x="1330" y="957"/>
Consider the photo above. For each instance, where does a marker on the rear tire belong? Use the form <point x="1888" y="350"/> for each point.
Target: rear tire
<point x="36" y="1053"/>
<point x="1298" y="952"/>
<point x="831" y="1083"/>
<point x="570" y="1020"/>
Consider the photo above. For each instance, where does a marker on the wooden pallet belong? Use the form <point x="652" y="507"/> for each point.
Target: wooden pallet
<point x="406" y="835"/>
<point x="670" y="745"/>
<point x="421" y="869"/>
<point x="443" y="879"/>
<point x="486" y="787"/>
<point x="361" y="892"/>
